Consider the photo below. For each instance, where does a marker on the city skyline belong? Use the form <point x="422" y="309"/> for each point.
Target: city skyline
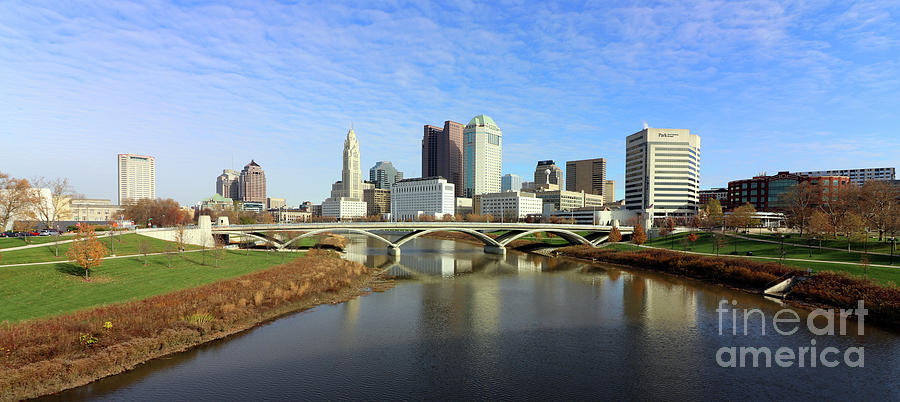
<point x="131" y="82"/>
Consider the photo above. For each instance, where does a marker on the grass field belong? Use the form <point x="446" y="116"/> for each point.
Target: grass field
<point x="761" y="249"/>
<point x="8" y="242"/>
<point x="126" y="244"/>
<point x="873" y="245"/>
<point x="50" y="289"/>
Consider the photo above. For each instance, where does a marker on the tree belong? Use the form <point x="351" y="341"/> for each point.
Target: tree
<point x="615" y="235"/>
<point x="56" y="205"/>
<point x="819" y="223"/>
<point x="878" y="205"/>
<point x="161" y="212"/>
<point x="742" y="216"/>
<point x="86" y="250"/>
<point x="798" y="202"/>
<point x="712" y="213"/>
<point x="670" y="224"/>
<point x="16" y="198"/>
<point x="853" y="228"/>
<point x="845" y="201"/>
<point x="219" y="250"/>
<point x="638" y="236"/>
<point x="180" y="238"/>
<point x="144" y="248"/>
<point x="692" y="238"/>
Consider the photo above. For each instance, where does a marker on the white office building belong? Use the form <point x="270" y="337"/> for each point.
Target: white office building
<point x="137" y="177"/>
<point x="343" y="208"/>
<point x="662" y="172"/>
<point x="482" y="156"/>
<point x="412" y="198"/>
<point x="508" y="205"/>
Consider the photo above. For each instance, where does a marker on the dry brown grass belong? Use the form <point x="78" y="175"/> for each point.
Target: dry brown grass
<point x="49" y="355"/>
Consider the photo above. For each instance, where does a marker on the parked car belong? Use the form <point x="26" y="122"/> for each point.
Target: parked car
<point x="49" y="232"/>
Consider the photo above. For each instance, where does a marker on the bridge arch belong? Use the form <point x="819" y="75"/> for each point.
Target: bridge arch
<point x="255" y="236"/>
<point x="570" y="236"/>
<point x="348" y="230"/>
<point x="487" y="240"/>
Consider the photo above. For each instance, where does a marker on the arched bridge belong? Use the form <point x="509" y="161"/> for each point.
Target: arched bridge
<point x="591" y="235"/>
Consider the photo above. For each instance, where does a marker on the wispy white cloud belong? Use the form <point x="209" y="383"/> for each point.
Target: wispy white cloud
<point x="195" y="84"/>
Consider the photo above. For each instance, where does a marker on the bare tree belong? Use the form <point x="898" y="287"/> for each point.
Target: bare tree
<point x="144" y="248"/>
<point x="56" y="205"/>
<point x="16" y="198"/>
<point x="218" y="250"/>
<point x="798" y="202"/>
<point x="179" y="239"/>
<point x="878" y="205"/>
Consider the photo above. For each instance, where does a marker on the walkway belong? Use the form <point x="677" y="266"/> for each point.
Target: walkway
<point x="801" y="245"/>
<point x="769" y="258"/>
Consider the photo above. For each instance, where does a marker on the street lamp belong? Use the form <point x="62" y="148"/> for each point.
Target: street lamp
<point x="893" y="240"/>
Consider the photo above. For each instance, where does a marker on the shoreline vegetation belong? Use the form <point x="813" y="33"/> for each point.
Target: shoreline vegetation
<point x="44" y="356"/>
<point x="827" y="289"/>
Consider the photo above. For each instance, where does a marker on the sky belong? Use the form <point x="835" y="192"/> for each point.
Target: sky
<point x="203" y="86"/>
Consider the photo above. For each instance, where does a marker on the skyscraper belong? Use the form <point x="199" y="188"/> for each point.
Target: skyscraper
<point x="588" y="175"/>
<point x="662" y="172"/>
<point x="540" y="173"/>
<point x="228" y="184"/>
<point x="510" y="182"/>
<point x="137" y="177"/>
<point x="351" y="174"/>
<point x="442" y="153"/>
<point x="253" y="183"/>
<point x="384" y="175"/>
<point x="482" y="156"/>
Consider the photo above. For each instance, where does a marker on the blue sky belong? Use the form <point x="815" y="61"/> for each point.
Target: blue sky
<point x="797" y="85"/>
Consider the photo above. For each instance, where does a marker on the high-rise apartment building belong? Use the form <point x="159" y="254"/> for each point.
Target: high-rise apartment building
<point x="510" y="182"/>
<point x="253" y="183"/>
<point x="662" y="172"/>
<point x="228" y="184"/>
<point x="588" y="175"/>
<point x="857" y="176"/>
<point x="137" y="177"/>
<point x="540" y="173"/>
<point x="384" y="175"/>
<point x="482" y="156"/>
<point x="442" y="153"/>
<point x="378" y="201"/>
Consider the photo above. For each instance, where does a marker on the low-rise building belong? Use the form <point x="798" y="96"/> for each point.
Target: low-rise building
<point x="767" y="193"/>
<point x="378" y="201"/>
<point x="562" y="200"/>
<point x="286" y="215"/>
<point x="510" y="205"/>
<point x="217" y="203"/>
<point x="412" y="198"/>
<point x="343" y="208"/>
<point x="603" y="217"/>
<point x="252" y="206"/>
<point x="720" y="194"/>
<point x="94" y="210"/>
<point x="464" y="206"/>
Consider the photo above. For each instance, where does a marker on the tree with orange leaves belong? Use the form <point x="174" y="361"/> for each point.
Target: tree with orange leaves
<point x="638" y="236"/>
<point x="86" y="250"/>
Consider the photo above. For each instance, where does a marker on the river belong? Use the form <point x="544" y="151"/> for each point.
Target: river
<point x="461" y="324"/>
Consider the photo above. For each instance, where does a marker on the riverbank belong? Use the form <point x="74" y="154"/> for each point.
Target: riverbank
<point x="824" y="289"/>
<point x="39" y="357"/>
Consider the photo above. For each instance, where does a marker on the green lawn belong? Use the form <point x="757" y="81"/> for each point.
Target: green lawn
<point x="8" y="242"/>
<point x="761" y="249"/>
<point x="50" y="289"/>
<point x="873" y="245"/>
<point x="126" y="244"/>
